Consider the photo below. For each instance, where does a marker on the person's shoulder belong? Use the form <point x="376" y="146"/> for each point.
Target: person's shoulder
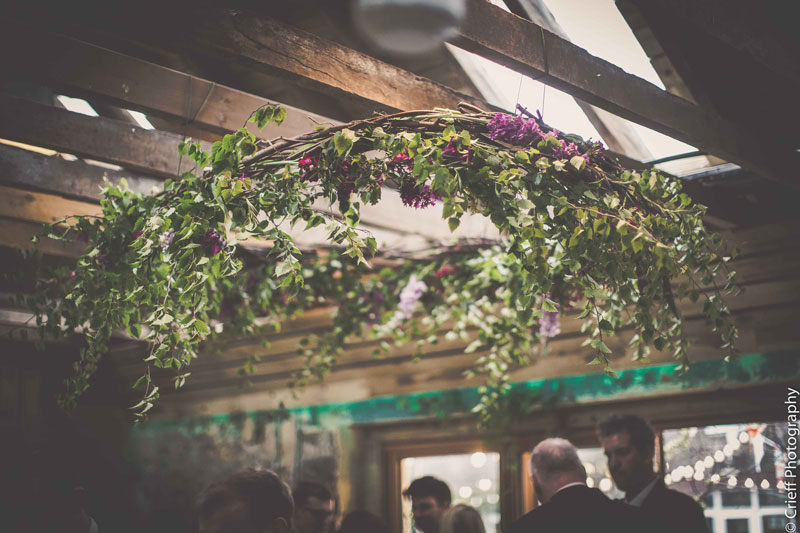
<point x="678" y="498"/>
<point x="524" y="523"/>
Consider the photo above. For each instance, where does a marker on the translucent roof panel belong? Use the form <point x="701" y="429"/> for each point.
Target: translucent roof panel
<point x="598" y="27"/>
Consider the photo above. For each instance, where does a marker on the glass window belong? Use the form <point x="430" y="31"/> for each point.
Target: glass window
<point x="737" y="525"/>
<point x="709" y="524"/>
<point x="731" y="457"/>
<point x="474" y="479"/>
<point x="735" y="470"/>
<point x="770" y="498"/>
<point x="773" y="523"/>
<point x="736" y="498"/>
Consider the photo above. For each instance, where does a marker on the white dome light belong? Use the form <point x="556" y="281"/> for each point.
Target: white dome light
<point x="408" y="27"/>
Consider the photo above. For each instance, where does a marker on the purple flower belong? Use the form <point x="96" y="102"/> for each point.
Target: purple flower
<point x="307" y="165"/>
<point x="213" y="242"/>
<point x="410" y="295"/>
<point x="166" y="239"/>
<point x="137" y="235"/>
<point x="307" y="161"/>
<point x="450" y="149"/>
<point x="417" y="196"/>
<point x="343" y="192"/>
<point x="549" y="325"/>
<point x="513" y="129"/>
<point x="344" y="165"/>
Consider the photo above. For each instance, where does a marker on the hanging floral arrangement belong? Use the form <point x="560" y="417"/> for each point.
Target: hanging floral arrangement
<point x="578" y="231"/>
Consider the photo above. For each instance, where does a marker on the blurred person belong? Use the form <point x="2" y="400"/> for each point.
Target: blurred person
<point x="363" y="522"/>
<point x="567" y="504"/>
<point x="247" y="501"/>
<point x="314" y="509"/>
<point x="629" y="444"/>
<point x="462" y="519"/>
<point x="430" y="499"/>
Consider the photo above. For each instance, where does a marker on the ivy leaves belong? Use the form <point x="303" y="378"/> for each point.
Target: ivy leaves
<point x="578" y="232"/>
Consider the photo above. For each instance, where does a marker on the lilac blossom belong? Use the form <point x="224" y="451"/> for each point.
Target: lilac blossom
<point x="213" y="242"/>
<point x="513" y="129"/>
<point x="166" y="238"/>
<point x="417" y="196"/>
<point x="410" y="295"/>
<point x="343" y="192"/>
<point x="549" y="325"/>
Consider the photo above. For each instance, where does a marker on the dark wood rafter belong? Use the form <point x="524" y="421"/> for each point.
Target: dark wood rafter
<point x="530" y="49"/>
<point x="23" y="168"/>
<point x="150" y="151"/>
<point x="729" y="56"/>
<point x="319" y="64"/>
<point x="93" y="72"/>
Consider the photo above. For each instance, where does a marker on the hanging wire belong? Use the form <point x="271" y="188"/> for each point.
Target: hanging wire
<point x="519" y="90"/>
<point x="546" y="72"/>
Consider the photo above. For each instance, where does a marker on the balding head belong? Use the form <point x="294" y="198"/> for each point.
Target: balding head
<point x="554" y="464"/>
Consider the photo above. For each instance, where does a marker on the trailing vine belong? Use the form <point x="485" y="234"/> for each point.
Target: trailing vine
<point x="578" y="232"/>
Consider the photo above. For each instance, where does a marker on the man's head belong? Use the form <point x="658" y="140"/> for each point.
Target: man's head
<point x="248" y="501"/>
<point x="430" y="498"/>
<point x="554" y="464"/>
<point x="314" y="508"/>
<point x="629" y="444"/>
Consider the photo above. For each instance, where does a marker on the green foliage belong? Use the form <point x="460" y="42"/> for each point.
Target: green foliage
<point x="579" y="233"/>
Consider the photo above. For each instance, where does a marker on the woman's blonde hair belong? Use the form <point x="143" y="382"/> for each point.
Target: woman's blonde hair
<point x="462" y="519"/>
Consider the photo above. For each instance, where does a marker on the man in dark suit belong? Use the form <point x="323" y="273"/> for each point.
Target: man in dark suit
<point x="629" y="444"/>
<point x="568" y="505"/>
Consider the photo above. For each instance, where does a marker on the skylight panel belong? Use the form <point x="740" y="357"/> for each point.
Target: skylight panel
<point x="77" y="105"/>
<point x="141" y="119"/>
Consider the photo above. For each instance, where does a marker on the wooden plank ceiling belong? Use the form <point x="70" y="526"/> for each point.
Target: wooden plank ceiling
<point x="201" y="73"/>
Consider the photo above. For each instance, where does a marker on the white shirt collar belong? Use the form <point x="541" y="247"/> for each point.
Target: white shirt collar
<point x="569" y="485"/>
<point x="639" y="499"/>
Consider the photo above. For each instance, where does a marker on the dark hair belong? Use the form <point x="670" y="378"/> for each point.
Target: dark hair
<point x="363" y="522"/>
<point x="642" y="435"/>
<point x="429" y="486"/>
<point x="264" y="495"/>
<point x="310" y="489"/>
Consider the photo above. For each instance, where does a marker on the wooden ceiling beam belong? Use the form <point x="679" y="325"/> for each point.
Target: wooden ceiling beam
<point x="530" y="49"/>
<point x="23" y="168"/>
<point x="315" y="63"/>
<point x="150" y="151"/>
<point x="93" y="72"/>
